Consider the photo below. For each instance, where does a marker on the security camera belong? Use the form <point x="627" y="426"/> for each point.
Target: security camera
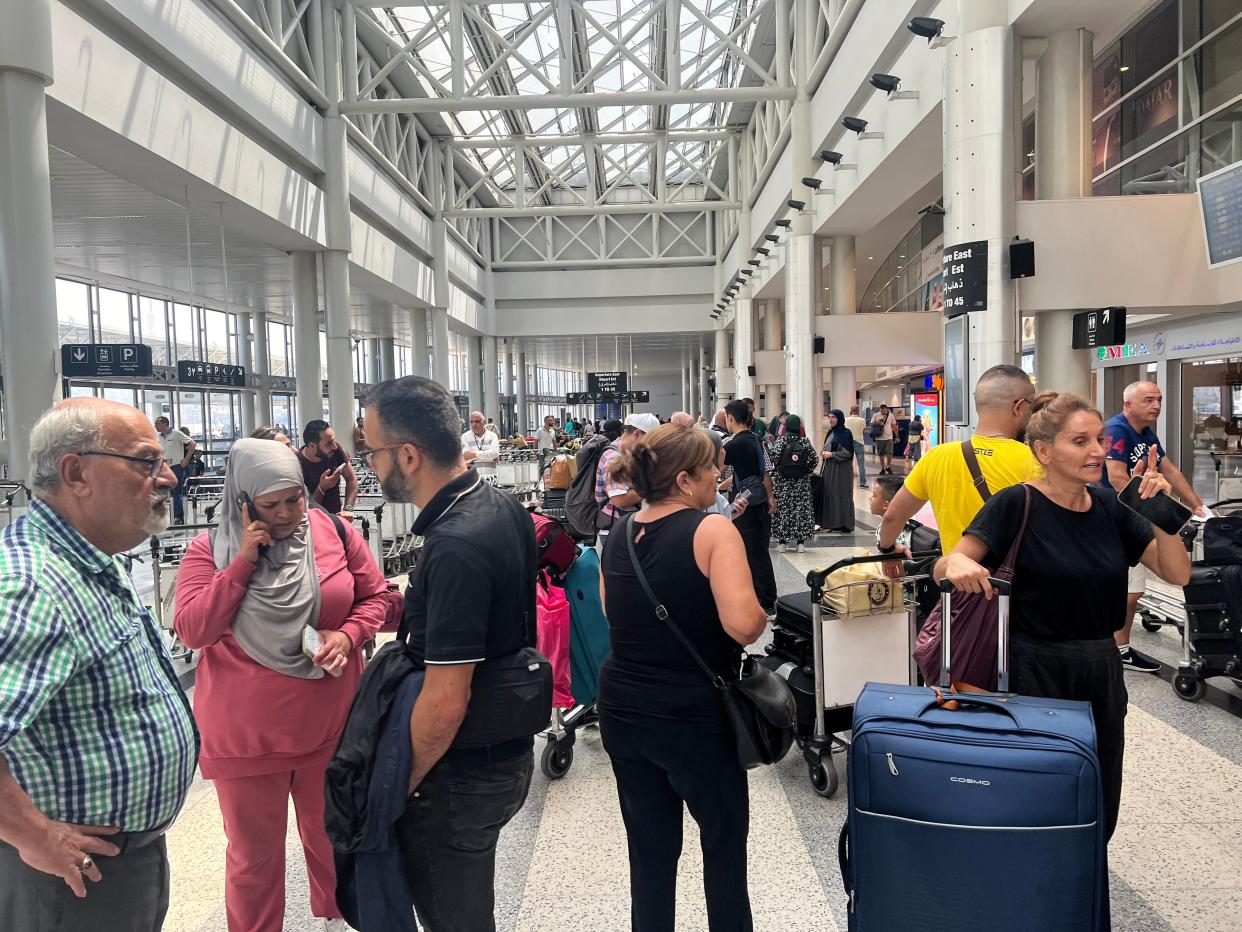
<point x="784" y="223"/>
<point x="772" y="238"/>
<point x="763" y="252"/>
<point x="755" y="262"/>
<point x="933" y="210"/>
<point x="748" y="272"/>
<point x="888" y="83"/>
<point x="831" y="157"/>
<point x="813" y="183"/>
<point x="796" y="205"/>
<point x="854" y="124"/>
<point x="929" y="28"/>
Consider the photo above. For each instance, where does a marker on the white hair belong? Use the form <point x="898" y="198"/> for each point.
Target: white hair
<point x="1131" y="391"/>
<point x="64" y="429"/>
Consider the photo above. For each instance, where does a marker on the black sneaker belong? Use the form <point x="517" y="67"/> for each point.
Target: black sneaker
<point x="1139" y="663"/>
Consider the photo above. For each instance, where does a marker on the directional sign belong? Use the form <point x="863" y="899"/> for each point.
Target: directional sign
<point x="608" y="381"/>
<point x="210" y="373"/>
<point x="965" y="278"/>
<point x="607" y="398"/>
<point x="1105" y="326"/>
<point x="105" y="360"/>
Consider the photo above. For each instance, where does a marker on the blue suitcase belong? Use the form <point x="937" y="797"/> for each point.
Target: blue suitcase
<point x="987" y="817"/>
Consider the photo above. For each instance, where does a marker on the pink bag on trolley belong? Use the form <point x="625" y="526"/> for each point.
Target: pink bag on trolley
<point x="553" y="639"/>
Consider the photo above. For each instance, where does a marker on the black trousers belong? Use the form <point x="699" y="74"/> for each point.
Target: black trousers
<point x="131" y="897"/>
<point x="657" y="770"/>
<point x="1086" y="671"/>
<point x="755" y="526"/>
<point x="448" y="837"/>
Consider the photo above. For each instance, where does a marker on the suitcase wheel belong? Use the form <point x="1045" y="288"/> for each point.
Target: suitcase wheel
<point x="1189" y="687"/>
<point x="823" y="775"/>
<point x="1150" y="625"/>
<point x="557" y="758"/>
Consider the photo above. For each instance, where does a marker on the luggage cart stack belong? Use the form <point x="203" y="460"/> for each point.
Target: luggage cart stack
<point x="16" y="495"/>
<point x="202" y="498"/>
<point x="167" y="552"/>
<point x="518" y="473"/>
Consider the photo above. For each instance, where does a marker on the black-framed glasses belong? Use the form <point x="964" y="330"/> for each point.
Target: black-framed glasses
<point x="156" y="465"/>
<point x="368" y="458"/>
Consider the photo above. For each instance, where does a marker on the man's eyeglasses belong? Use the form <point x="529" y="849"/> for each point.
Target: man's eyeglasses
<point x="368" y="458"/>
<point x="156" y="465"/>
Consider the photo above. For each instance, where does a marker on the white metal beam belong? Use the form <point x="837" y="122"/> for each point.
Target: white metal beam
<point x="543" y="101"/>
<point x="570" y="210"/>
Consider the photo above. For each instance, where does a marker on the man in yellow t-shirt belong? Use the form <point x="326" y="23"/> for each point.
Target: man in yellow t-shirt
<point x="1003" y="397"/>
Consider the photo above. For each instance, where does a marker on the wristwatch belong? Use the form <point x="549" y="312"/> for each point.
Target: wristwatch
<point x="885" y="550"/>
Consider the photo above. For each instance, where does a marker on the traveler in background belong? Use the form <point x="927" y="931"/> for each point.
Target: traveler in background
<point x="701" y="423"/>
<point x="1130" y="436"/>
<point x="272" y="433"/>
<point x="615" y="498"/>
<point x="884" y="428"/>
<point x="588" y="429"/>
<point x="794" y="521"/>
<point x="1003" y="397"/>
<point x="97" y="744"/>
<point x="570" y="428"/>
<point x="744" y="454"/>
<point x="858" y="429"/>
<point x="836" y="504"/>
<point x="179" y="451"/>
<point x="480" y="447"/>
<point x="719" y="424"/>
<point x="681" y="418"/>
<point x="197" y="466"/>
<point x="756" y="424"/>
<point x="270" y="717"/>
<point x="914" y="439"/>
<point x="471" y="599"/>
<point x="324" y="463"/>
<point x="1070" y="573"/>
<point x="545" y="437"/>
<point x="360" y="437"/>
<point x="882" y="492"/>
<point x="662" y="720"/>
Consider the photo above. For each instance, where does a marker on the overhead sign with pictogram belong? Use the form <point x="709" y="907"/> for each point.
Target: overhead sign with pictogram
<point x="105" y="360"/>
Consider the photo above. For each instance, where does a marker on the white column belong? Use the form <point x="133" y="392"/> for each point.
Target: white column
<point x="685" y="384"/>
<point x="744" y="344"/>
<point x="842" y="299"/>
<point x="440" y="346"/>
<point x="705" y="396"/>
<point x="31" y="356"/>
<point x="506" y="373"/>
<point x="980" y="169"/>
<point x="420" y="355"/>
<point x="263" y="394"/>
<point x="774" y="339"/>
<point x="306" y="365"/>
<point x="723" y="360"/>
<point x="519" y="414"/>
<point x="474" y="375"/>
<point x="388" y="358"/>
<point x="1063" y="156"/>
<point x="246" y="361"/>
<point x="491" y="400"/>
<point x="340" y="346"/>
<point x="800" y="363"/>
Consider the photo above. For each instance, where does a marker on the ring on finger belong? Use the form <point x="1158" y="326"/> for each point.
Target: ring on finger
<point x="87" y="863"/>
<point x="252" y="525"/>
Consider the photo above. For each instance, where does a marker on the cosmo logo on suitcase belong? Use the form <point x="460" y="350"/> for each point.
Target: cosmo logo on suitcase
<point x="976" y="814"/>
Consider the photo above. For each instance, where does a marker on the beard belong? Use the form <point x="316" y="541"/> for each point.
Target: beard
<point x="157" y="520"/>
<point x="396" y="487"/>
<point x="1021" y="437"/>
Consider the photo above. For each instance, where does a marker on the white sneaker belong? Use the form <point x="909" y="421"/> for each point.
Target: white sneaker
<point x="780" y="548"/>
<point x="336" y="925"/>
<point x="801" y="548"/>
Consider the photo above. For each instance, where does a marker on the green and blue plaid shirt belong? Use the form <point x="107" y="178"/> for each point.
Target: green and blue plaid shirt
<point x="93" y="723"/>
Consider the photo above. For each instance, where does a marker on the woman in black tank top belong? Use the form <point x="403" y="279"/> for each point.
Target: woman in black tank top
<point x="662" y="721"/>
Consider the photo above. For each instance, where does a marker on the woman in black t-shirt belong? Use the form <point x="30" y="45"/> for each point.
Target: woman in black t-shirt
<point x="1069" y="585"/>
<point x="661" y="718"/>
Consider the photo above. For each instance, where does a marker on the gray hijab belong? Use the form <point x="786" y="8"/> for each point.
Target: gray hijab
<point x="282" y="595"/>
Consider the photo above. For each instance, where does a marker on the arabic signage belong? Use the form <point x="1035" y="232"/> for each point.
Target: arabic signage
<point x="1105" y="326"/>
<point x="607" y="398"/>
<point x="608" y="381"/>
<point x="190" y="372"/>
<point x="965" y="278"/>
<point x="105" y="360"/>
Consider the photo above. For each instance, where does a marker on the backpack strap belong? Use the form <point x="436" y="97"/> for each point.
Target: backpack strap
<point x="976" y="474"/>
<point x="340" y="531"/>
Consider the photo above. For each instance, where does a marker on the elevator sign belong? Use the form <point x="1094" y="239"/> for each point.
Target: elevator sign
<point x="105" y="360"/>
<point x="965" y="278"/>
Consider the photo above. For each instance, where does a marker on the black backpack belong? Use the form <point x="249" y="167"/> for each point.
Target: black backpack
<point x="581" y="509"/>
<point x="797" y="460"/>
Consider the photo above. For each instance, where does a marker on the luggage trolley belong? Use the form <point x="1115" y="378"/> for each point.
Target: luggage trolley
<point x="167" y="552"/>
<point x="11" y="490"/>
<point x="827" y="658"/>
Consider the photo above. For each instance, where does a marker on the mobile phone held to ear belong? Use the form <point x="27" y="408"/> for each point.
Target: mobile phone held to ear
<point x="246" y="507"/>
<point x="1162" y="510"/>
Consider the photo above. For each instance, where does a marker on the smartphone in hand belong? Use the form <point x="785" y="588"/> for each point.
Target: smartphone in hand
<point x="1162" y="510"/>
<point x="246" y="508"/>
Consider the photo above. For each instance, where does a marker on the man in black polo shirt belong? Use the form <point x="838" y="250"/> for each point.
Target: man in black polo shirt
<point x="471" y="598"/>
<point x="744" y="453"/>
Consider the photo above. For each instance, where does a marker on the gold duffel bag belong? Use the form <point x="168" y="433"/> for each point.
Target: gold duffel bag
<point x="862" y="589"/>
<point x="559" y="476"/>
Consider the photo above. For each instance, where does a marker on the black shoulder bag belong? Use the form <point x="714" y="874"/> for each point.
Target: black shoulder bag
<point x="759" y="704"/>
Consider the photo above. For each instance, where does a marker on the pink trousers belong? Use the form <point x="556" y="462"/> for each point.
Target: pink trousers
<point x="255" y="813"/>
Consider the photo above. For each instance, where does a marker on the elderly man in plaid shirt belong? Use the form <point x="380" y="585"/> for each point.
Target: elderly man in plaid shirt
<point x="97" y="743"/>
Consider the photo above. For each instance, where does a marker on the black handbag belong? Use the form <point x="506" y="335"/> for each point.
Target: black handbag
<point x="1222" y="540"/>
<point x="759" y="704"/>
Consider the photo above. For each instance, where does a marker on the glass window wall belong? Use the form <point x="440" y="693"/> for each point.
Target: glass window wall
<point x="115" y="325"/>
<point x="73" y="311"/>
<point x="1211" y="419"/>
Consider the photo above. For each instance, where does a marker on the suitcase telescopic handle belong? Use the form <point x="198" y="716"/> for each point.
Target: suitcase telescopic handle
<point x="1003" y="589"/>
<point x="816" y="579"/>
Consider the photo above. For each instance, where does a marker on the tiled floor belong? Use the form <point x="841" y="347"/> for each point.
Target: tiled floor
<point x="1176" y="860"/>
